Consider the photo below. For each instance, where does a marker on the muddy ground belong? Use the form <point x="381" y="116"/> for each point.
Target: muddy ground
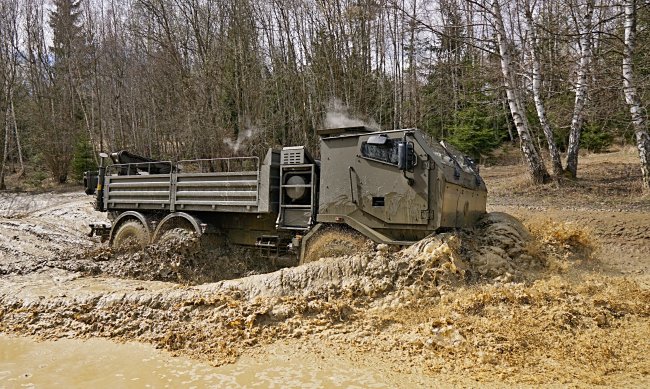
<point x="562" y="299"/>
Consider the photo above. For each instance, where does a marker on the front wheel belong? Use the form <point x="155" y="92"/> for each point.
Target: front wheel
<point x="333" y="241"/>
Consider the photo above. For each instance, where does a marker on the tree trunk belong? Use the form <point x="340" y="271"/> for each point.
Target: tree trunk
<point x="21" y="161"/>
<point x="581" y="90"/>
<point x="536" y="168"/>
<point x="637" y="111"/>
<point x="3" y="186"/>
<point x="554" y="153"/>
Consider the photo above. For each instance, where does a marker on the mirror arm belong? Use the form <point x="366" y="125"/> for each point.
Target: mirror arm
<point x="409" y="180"/>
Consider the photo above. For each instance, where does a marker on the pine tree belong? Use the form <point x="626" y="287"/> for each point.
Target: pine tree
<point x="83" y="159"/>
<point x="68" y="35"/>
<point x="58" y="141"/>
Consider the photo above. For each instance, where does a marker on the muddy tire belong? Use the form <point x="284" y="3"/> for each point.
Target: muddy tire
<point x="131" y="236"/>
<point x="334" y="242"/>
<point x="181" y="240"/>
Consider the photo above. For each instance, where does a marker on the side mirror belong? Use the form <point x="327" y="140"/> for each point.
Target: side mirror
<point x="102" y="156"/>
<point x="90" y="182"/>
<point x="405" y="156"/>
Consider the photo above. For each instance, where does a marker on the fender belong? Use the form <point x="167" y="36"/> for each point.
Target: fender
<point x="129" y="215"/>
<point x="196" y="223"/>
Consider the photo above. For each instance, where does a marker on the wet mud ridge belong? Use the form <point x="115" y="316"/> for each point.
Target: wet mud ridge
<point x="504" y="301"/>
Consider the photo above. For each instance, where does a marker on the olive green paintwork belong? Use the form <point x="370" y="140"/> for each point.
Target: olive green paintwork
<point x="388" y="205"/>
<point x="367" y="194"/>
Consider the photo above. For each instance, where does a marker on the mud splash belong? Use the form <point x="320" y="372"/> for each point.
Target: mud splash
<point x="184" y="262"/>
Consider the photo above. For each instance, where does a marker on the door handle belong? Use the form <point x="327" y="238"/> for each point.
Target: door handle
<point x="350" y="170"/>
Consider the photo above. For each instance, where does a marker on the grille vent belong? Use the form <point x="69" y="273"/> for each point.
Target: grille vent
<point x="296" y="155"/>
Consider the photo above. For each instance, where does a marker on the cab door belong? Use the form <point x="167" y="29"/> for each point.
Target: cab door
<point x="384" y="189"/>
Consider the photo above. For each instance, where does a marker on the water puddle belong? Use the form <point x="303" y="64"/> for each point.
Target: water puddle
<point x="99" y="363"/>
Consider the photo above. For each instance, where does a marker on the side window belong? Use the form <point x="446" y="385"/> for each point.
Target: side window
<point x="386" y="152"/>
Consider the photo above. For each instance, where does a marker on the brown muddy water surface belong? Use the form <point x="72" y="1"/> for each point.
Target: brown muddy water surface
<point x="99" y="363"/>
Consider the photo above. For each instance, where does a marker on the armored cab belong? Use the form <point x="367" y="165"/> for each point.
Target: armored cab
<point x="396" y="186"/>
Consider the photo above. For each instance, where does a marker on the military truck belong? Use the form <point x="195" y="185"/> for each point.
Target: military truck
<point x="393" y="187"/>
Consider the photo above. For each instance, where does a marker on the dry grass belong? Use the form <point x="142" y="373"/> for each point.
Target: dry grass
<point x="608" y="180"/>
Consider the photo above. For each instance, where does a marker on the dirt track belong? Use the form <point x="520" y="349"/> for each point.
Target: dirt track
<point x="571" y="305"/>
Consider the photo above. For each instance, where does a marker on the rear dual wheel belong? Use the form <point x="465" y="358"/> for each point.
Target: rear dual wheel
<point x="130" y="236"/>
<point x="180" y="240"/>
<point x="175" y="235"/>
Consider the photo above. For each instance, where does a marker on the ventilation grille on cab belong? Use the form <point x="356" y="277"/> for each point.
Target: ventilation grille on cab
<point x="296" y="155"/>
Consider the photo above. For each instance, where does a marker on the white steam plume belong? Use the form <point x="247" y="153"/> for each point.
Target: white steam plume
<point x="241" y="139"/>
<point x="337" y="116"/>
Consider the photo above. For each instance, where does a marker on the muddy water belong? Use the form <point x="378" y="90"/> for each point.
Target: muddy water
<point x="99" y="363"/>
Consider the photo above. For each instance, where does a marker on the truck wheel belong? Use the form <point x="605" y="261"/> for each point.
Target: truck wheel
<point x="131" y="236"/>
<point x="180" y="239"/>
<point x="334" y="242"/>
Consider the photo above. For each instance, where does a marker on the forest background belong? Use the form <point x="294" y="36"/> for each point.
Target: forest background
<point x="176" y="79"/>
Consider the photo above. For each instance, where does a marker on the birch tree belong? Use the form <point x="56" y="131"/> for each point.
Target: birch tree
<point x="585" y="30"/>
<point x="637" y="111"/>
<point x="536" y="168"/>
<point x="536" y="70"/>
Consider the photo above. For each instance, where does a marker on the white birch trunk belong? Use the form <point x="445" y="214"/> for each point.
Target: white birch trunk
<point x="21" y="161"/>
<point x="637" y="111"/>
<point x="554" y="153"/>
<point x="535" y="163"/>
<point x="581" y="89"/>
<point x="5" y="151"/>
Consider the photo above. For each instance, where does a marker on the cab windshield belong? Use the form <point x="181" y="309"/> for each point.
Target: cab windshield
<point x="448" y="154"/>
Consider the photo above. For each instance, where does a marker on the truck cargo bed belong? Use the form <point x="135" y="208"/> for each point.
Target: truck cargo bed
<point x="238" y="185"/>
